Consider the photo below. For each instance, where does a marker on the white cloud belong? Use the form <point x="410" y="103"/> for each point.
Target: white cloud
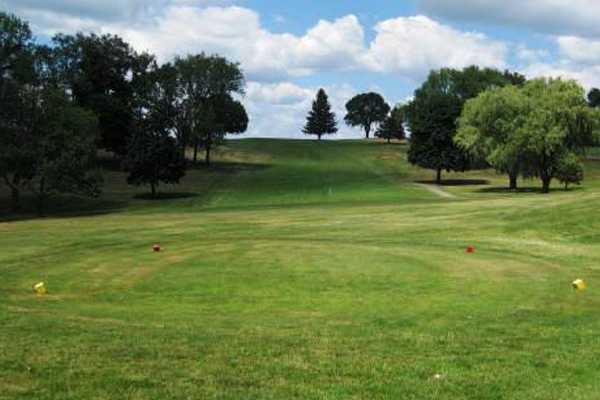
<point x="579" y="50"/>
<point x="546" y="16"/>
<point x="414" y="45"/>
<point x="588" y="76"/>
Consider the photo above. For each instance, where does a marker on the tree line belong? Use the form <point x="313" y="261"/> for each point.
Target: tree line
<point x="366" y="111"/>
<point x="60" y="103"/>
<point x="478" y="118"/>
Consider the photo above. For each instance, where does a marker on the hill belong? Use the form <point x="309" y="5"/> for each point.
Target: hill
<point x="297" y="269"/>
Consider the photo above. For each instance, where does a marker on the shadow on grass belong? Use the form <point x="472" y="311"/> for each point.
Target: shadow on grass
<point x="60" y="207"/>
<point x="228" y="167"/>
<point x="457" y="182"/>
<point x="527" y="190"/>
<point x="165" y="196"/>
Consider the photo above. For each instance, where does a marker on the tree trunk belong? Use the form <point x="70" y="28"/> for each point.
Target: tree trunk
<point x="389" y="140"/>
<point x="319" y="136"/>
<point x="207" y="156"/>
<point x="196" y="152"/>
<point x="546" y="183"/>
<point x="438" y="178"/>
<point x="15" y="199"/>
<point x="513" y="181"/>
<point x="41" y="198"/>
<point x="368" y="131"/>
<point x="153" y="189"/>
<point x="15" y="193"/>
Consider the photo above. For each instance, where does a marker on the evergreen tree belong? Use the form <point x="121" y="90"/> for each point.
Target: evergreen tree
<point x="393" y="126"/>
<point x="321" y="120"/>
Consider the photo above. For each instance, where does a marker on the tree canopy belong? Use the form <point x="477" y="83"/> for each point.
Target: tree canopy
<point x="432" y="115"/>
<point x="594" y="97"/>
<point x="393" y="126"/>
<point x="534" y="131"/>
<point x="320" y="120"/>
<point x="365" y="110"/>
<point x="96" y="69"/>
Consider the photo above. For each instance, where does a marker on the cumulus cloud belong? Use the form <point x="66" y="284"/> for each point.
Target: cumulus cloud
<point x="579" y="50"/>
<point x="547" y="16"/>
<point x="407" y="46"/>
<point x="415" y="45"/>
<point x="588" y="76"/>
<point x="237" y="33"/>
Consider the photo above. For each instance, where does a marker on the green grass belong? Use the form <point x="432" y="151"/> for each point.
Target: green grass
<point x="305" y="270"/>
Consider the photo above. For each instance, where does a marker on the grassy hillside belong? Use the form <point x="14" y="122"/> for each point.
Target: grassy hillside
<point x="305" y="270"/>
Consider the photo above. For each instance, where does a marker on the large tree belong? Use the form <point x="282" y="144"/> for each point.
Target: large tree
<point x="320" y="120"/>
<point x="97" y="70"/>
<point x="64" y="148"/>
<point x="433" y="113"/>
<point x="201" y="78"/>
<point x="47" y="143"/>
<point x="365" y="110"/>
<point x="393" y="126"/>
<point x="16" y="71"/>
<point x="153" y="156"/>
<point x="221" y="115"/>
<point x="537" y="130"/>
<point x="486" y="127"/>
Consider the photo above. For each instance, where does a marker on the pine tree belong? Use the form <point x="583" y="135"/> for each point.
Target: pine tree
<point x="321" y="120"/>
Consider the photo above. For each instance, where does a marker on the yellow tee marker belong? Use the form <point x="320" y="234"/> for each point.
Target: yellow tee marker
<point x="40" y="289"/>
<point x="579" y="284"/>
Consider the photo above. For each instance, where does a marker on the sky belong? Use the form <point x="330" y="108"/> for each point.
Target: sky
<point x="290" y="49"/>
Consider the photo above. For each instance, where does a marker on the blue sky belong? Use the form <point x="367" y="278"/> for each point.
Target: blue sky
<point x="289" y="49"/>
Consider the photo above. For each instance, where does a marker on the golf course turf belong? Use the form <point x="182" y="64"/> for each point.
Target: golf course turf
<point x="305" y="270"/>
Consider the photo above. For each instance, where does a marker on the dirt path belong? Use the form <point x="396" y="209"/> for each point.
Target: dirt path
<point x="437" y="190"/>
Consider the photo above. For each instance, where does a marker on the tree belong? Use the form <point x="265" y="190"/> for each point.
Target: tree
<point x="16" y="71"/>
<point x="320" y="120"/>
<point x="97" y="70"/>
<point x="393" y="126"/>
<point x="46" y="142"/>
<point x="433" y="113"/>
<point x="569" y="171"/>
<point x="64" y="148"/>
<point x="486" y="126"/>
<point x="222" y="116"/>
<point x="594" y="97"/>
<point x="536" y="131"/>
<point x="365" y="110"/>
<point x="200" y="78"/>
<point x="154" y="156"/>
<point x="559" y="125"/>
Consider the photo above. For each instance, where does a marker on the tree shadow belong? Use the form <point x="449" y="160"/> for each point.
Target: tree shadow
<point x="60" y="207"/>
<point x="229" y="167"/>
<point x="527" y="190"/>
<point x="457" y="182"/>
<point x="165" y="196"/>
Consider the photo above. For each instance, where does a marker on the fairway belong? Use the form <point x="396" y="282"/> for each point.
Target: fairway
<point x="305" y="270"/>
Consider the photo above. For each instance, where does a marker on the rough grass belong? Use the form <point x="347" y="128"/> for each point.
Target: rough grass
<point x="305" y="270"/>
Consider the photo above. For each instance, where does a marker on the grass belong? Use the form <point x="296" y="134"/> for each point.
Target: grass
<point x="305" y="270"/>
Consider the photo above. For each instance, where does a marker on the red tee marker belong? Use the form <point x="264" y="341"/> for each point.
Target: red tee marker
<point x="156" y="248"/>
<point x="470" y="249"/>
